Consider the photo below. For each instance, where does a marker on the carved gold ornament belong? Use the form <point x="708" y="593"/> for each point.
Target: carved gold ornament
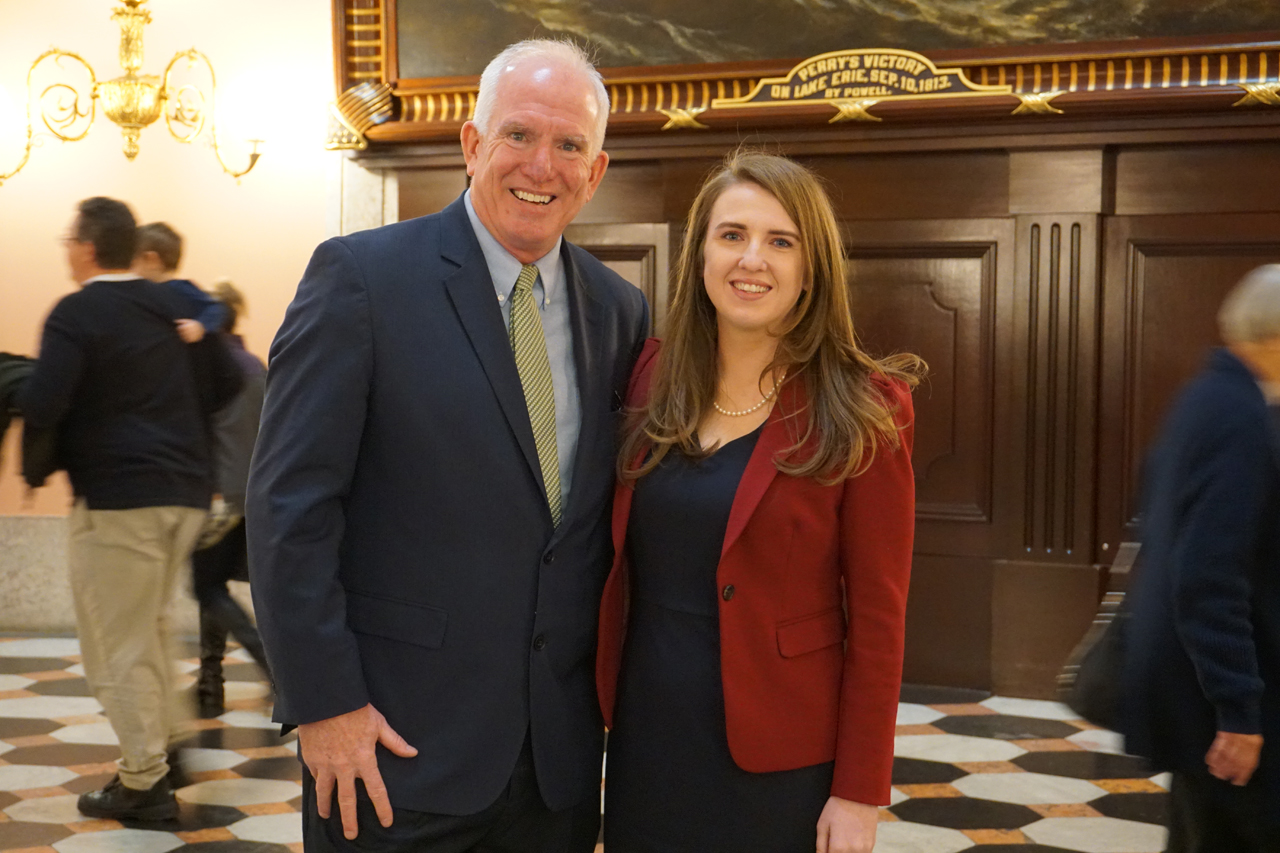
<point x="132" y="101"/>
<point x="1259" y="94"/>
<point x="1037" y="103"/>
<point x="854" y="110"/>
<point x="678" y="119"/>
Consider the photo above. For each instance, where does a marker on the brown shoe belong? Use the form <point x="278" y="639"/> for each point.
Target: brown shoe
<point x="116" y="802"/>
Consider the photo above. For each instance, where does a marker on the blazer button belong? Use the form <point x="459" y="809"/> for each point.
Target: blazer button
<point x="548" y="557"/>
<point x="727" y="592"/>
<point x="539" y="643"/>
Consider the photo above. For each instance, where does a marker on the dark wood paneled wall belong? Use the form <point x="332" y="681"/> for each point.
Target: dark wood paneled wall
<point x="1061" y="288"/>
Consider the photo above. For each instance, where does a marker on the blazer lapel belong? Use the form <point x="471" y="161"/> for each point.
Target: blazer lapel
<point x="776" y="436"/>
<point x="588" y="360"/>
<point x="470" y="289"/>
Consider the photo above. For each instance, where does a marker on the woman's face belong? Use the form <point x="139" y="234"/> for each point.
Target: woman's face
<point x="753" y="261"/>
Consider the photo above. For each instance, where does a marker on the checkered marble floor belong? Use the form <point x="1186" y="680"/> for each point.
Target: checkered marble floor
<point x="972" y="772"/>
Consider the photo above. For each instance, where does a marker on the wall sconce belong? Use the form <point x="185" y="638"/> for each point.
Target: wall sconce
<point x="132" y="101"/>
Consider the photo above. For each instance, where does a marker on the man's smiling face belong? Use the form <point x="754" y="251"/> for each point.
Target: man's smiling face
<point x="540" y="162"/>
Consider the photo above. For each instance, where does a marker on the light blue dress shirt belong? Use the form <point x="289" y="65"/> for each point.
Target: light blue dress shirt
<point x="551" y="294"/>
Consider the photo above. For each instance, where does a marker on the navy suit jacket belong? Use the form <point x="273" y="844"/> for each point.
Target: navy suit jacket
<point x="402" y="549"/>
<point x="1204" y="637"/>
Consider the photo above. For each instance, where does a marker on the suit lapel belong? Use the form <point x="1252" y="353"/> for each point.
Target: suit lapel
<point x="776" y="436"/>
<point x="470" y="289"/>
<point x="588" y="360"/>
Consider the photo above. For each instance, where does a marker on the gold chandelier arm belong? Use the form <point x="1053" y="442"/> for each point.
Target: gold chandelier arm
<point x="63" y="114"/>
<point x="186" y="114"/>
<point x="194" y="116"/>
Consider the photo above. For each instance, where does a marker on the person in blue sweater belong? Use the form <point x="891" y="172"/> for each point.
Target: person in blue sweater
<point x="157" y="258"/>
<point x="1201" y="688"/>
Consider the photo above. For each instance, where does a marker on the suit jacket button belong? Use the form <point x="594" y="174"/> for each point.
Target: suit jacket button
<point x="539" y="643"/>
<point x="727" y="592"/>
<point x="548" y="557"/>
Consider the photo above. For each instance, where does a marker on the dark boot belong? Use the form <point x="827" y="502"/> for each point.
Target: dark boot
<point x="237" y="623"/>
<point x="116" y="802"/>
<point x="210" y="699"/>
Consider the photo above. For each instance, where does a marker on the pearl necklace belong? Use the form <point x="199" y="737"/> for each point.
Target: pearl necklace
<point x="731" y="414"/>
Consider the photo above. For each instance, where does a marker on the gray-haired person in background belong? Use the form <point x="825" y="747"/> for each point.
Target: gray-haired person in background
<point x="1202" y="682"/>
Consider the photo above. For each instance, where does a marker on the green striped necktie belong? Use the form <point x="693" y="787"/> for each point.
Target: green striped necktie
<point x="530" y="348"/>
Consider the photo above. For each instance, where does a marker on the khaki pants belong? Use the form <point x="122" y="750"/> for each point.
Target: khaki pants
<point x="124" y="564"/>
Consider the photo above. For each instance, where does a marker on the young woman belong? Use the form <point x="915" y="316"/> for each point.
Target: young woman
<point x="762" y="533"/>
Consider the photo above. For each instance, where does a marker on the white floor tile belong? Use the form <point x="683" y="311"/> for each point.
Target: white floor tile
<point x="248" y="720"/>
<point x="954" y="748"/>
<point x="1099" y="740"/>
<point x="1097" y="835"/>
<point x="20" y="777"/>
<point x="200" y="760"/>
<point x="1038" y="708"/>
<point x="40" y="647"/>
<point x="272" y="828"/>
<point x="905" y="837"/>
<point x="95" y="733"/>
<point x="46" y="810"/>
<point x="76" y="669"/>
<point x="1027" y="789"/>
<point x="910" y="714"/>
<point x="236" y="690"/>
<point x="15" y="682"/>
<point x="6" y="747"/>
<point x="240" y="792"/>
<point x="49" y="707"/>
<point x="1164" y="780"/>
<point x="119" y="841"/>
<point x="896" y="796"/>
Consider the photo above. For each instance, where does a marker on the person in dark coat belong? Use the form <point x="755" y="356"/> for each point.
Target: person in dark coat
<point x="1202" y="678"/>
<point x="235" y="429"/>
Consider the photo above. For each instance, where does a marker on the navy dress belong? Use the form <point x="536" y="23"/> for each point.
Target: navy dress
<point x="671" y="785"/>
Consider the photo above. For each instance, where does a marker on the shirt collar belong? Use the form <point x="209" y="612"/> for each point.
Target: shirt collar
<point x="504" y="269"/>
<point x="112" y="276"/>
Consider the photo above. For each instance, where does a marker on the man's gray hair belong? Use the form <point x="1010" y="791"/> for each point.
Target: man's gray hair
<point x="564" y="51"/>
<point x="1251" y="311"/>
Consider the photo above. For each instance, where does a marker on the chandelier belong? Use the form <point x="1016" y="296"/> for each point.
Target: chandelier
<point x="132" y="101"/>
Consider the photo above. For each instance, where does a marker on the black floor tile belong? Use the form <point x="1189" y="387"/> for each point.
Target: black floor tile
<point x="1147" y="808"/>
<point x="24" y="727"/>
<point x="965" y="813"/>
<point x="924" y="694"/>
<point x="296" y="802"/>
<point x="62" y="687"/>
<point x="916" y="771"/>
<point x="191" y="817"/>
<point x="17" y="834"/>
<point x="63" y="754"/>
<point x="1004" y="848"/>
<point x="283" y="767"/>
<point x="1008" y="848"/>
<point x="231" y="738"/>
<point x="84" y="784"/>
<point x="1002" y="727"/>
<point x="236" y="846"/>
<point x="1085" y="765"/>
<point x="21" y="666"/>
<point x="7" y="799"/>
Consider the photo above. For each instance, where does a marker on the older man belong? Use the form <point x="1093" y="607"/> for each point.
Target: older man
<point x="428" y="503"/>
<point x="1203" y="678"/>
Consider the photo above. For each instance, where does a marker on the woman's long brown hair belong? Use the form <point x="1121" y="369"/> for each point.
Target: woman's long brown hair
<point x="846" y="419"/>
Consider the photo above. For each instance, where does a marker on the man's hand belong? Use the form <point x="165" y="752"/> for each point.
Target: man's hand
<point x="1233" y="757"/>
<point x="847" y="827"/>
<point x="340" y="749"/>
<point x="189" y="330"/>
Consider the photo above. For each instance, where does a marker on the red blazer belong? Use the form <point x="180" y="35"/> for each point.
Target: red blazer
<point x="803" y="684"/>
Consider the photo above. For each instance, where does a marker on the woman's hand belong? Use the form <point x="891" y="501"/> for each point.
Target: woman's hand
<point x="847" y="827"/>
